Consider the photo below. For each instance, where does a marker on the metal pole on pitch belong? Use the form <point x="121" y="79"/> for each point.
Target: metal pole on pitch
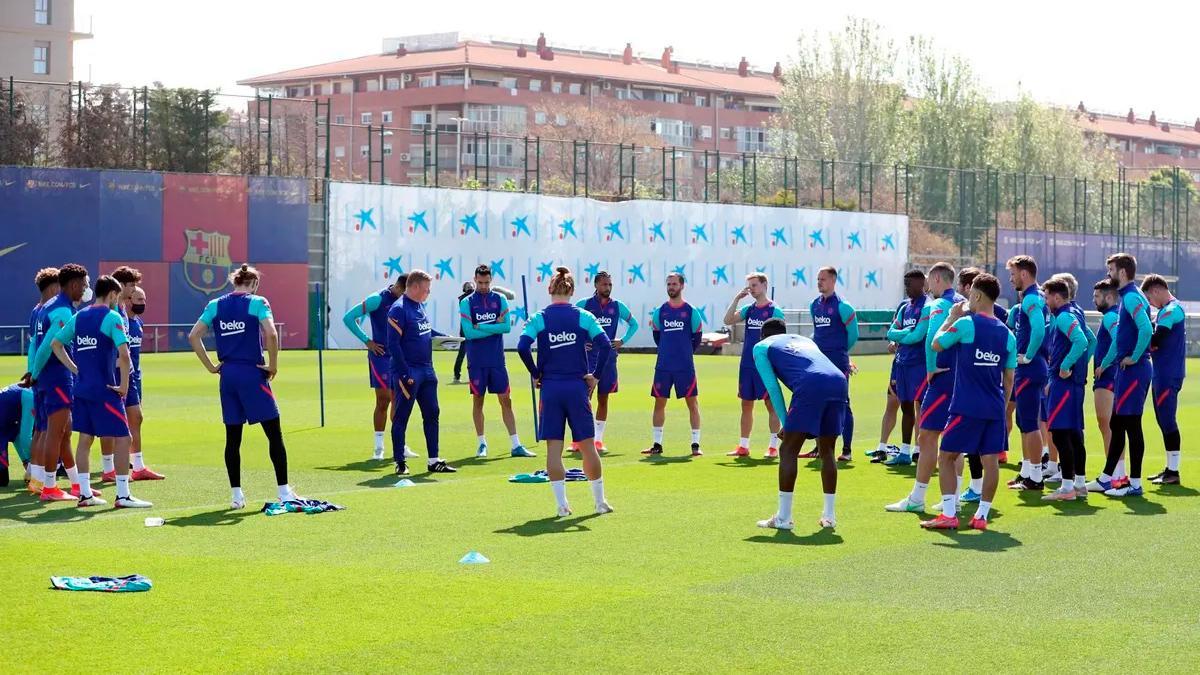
<point x="321" y="350"/>
<point x="532" y="385"/>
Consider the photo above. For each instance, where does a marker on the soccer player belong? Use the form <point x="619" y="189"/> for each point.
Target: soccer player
<point x="819" y="392"/>
<point x="939" y="367"/>
<point x="1068" y="366"/>
<point x="1032" y="371"/>
<point x="835" y="330"/>
<point x="410" y="344"/>
<point x="17" y="418"/>
<point x="56" y="384"/>
<point x="131" y="305"/>
<point x="1168" y="354"/>
<point x="375" y="307"/>
<point x="1130" y="354"/>
<point x="101" y="365"/>
<point x="484" y="320"/>
<point x="983" y="379"/>
<point x="907" y="382"/>
<point x="676" y="327"/>
<point x="1107" y="300"/>
<point x="1050" y="471"/>
<point x="609" y="313"/>
<point x="974" y="491"/>
<point x="750" y="384"/>
<point x="562" y="332"/>
<point x="240" y="320"/>
<point x="46" y="280"/>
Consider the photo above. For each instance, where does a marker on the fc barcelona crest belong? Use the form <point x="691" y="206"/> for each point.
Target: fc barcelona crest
<point x="206" y="263"/>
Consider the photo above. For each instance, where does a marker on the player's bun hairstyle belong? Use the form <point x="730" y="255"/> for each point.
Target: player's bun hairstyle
<point x="943" y="271"/>
<point x="45" y="277"/>
<point x="483" y="271"/>
<point x="602" y="274"/>
<point x="914" y="274"/>
<point x="1057" y="287"/>
<point x="562" y="283"/>
<point x="1123" y="261"/>
<point x="988" y="285"/>
<point x="105" y="285"/>
<point x="1071" y="282"/>
<point x="1022" y="262"/>
<point x="127" y="275"/>
<point x="244" y="275"/>
<point x="70" y="272"/>
<point x="756" y="275"/>
<point x="774" y="326"/>
<point x="1107" y="285"/>
<point x="1154" y="281"/>
<point x="967" y="275"/>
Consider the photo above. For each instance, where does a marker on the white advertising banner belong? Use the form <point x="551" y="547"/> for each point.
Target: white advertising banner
<point x="378" y="231"/>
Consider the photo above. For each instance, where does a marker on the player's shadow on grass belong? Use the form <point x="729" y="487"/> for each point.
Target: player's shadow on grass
<point x="746" y="462"/>
<point x="1075" y="508"/>
<point x="551" y="525"/>
<point x="19" y="509"/>
<point x="1176" y="491"/>
<point x="664" y="460"/>
<point x="988" y="541"/>
<point x="364" y="465"/>
<point x="822" y="537"/>
<point x="389" y="480"/>
<point x="222" y="516"/>
<point x="1143" y="507"/>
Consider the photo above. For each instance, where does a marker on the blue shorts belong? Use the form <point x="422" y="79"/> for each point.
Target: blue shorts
<point x="974" y="436"/>
<point x="1027" y="392"/>
<point x="683" y="381"/>
<point x="750" y="384"/>
<point x="1107" y="380"/>
<point x="40" y="422"/>
<point x="1064" y="405"/>
<point x="935" y="406"/>
<point x="487" y="380"/>
<point x="102" y="417"/>
<point x="908" y="381"/>
<point x="378" y="368"/>
<point x="1166" y="403"/>
<point x="815" y="419"/>
<point x="606" y="382"/>
<point x="56" y="397"/>
<point x="133" y="397"/>
<point x="246" y="395"/>
<point x="1131" y="387"/>
<point x="565" y="403"/>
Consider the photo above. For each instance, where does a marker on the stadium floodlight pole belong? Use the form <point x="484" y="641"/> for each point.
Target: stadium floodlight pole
<point x="532" y="385"/>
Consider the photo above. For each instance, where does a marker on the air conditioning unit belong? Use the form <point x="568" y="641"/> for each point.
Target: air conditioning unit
<point x="406" y="77"/>
<point x="405" y="157"/>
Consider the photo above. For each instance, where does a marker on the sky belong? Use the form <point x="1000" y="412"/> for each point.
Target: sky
<point x="1110" y="56"/>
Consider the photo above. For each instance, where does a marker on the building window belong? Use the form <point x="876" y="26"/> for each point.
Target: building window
<point x="420" y="119"/>
<point x="392" y="83"/>
<point x="317" y="90"/>
<point x="535" y="85"/>
<point x="363" y="150"/>
<point x="725" y="133"/>
<point x="365" y="118"/>
<point x="509" y="83"/>
<point x="539" y="117"/>
<point x="337" y="87"/>
<point x="670" y="97"/>
<point x="41" y="58"/>
<point x="387" y="116"/>
<point x="426" y="81"/>
<point x="560" y="119"/>
<point x="387" y="149"/>
<point x="752" y="139"/>
<point x="339" y="119"/>
<point x="451" y="79"/>
<point x="556" y="87"/>
<point x="495" y="118"/>
<point x="622" y="94"/>
<point x="339" y="151"/>
<point x="372" y="85"/>
<point x="575" y="88"/>
<point x="706" y="132"/>
<point x="674" y="132"/>
<point x="701" y="101"/>
<point x="41" y="12"/>
<point x="416" y="154"/>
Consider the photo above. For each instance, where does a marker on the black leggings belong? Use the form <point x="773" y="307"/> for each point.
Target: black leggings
<point x="1123" y="425"/>
<point x="976" y="466"/>
<point x="275" y="447"/>
<point x="1072" y="457"/>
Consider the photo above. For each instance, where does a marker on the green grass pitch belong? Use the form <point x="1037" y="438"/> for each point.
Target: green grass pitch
<point x="678" y="579"/>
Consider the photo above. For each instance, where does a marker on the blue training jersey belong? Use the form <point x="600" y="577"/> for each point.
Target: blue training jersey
<point x="1169" y="354"/>
<point x="677" y="334"/>
<point x="485" y="320"/>
<point x="908" y="330"/>
<point x="96" y="332"/>
<point x="755" y="316"/>
<point x="1068" y="346"/>
<point x="234" y="319"/>
<point x="1030" y="327"/>
<point x="35" y="336"/>
<point x="986" y="348"/>
<point x="410" y="338"/>
<point x="375" y="307"/>
<point x="803" y="368"/>
<point x="1134" y="329"/>
<point x="835" y="328"/>
<point x="16" y="419"/>
<point x="54" y="315"/>
<point x="609" y="313"/>
<point x="562" y="332"/>
<point x="1108" y="332"/>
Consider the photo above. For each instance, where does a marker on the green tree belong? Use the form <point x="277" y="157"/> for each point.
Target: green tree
<point x="186" y="130"/>
<point x="100" y="132"/>
<point x="20" y="135"/>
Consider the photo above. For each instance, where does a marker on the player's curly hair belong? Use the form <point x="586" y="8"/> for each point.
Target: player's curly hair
<point x="244" y="275"/>
<point x="127" y="275"/>
<point x="45" y="277"/>
<point x="563" y="282"/>
<point x="70" y="272"/>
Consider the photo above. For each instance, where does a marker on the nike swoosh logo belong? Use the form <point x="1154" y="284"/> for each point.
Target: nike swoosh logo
<point x="10" y="249"/>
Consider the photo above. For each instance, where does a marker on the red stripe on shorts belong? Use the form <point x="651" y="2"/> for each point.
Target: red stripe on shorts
<point x="1121" y="401"/>
<point x="110" y="408"/>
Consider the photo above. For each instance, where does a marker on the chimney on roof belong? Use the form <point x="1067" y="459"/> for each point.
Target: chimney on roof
<point x="1197" y="125"/>
<point x="665" y="59"/>
<point x="778" y="72"/>
<point x="1153" y="119"/>
<point x="743" y="67"/>
<point x="627" y="55"/>
<point x="1092" y="117"/>
<point x="1166" y="127"/>
<point x="547" y="54"/>
<point x="1131" y="118"/>
<point x="522" y="52"/>
<point x="401" y="51"/>
<point x="1082" y="108"/>
<point x="541" y="42"/>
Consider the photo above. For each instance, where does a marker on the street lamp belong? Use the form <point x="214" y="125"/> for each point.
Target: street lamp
<point x="458" y="146"/>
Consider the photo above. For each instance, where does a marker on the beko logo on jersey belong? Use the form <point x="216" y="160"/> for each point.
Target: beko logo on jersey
<point x="232" y="327"/>
<point x="672" y="324"/>
<point x="983" y="358"/>
<point x="605" y="321"/>
<point x="83" y="342"/>
<point x="563" y="339"/>
<point x="822" y="321"/>
<point x="489" y="316"/>
<point x="911" y="321"/>
<point x="754" y="323"/>
<point x="135" y="341"/>
<point x="425" y="327"/>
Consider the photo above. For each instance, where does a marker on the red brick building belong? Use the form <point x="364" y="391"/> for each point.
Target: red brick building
<point x="1143" y="145"/>
<point x="446" y="83"/>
